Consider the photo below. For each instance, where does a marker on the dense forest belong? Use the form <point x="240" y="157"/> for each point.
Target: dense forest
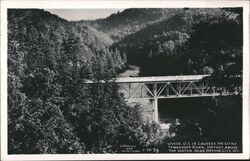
<point x="119" y="25"/>
<point x="192" y="41"/>
<point x="51" y="110"/>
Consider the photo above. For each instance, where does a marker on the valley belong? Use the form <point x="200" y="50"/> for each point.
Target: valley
<point x="52" y="110"/>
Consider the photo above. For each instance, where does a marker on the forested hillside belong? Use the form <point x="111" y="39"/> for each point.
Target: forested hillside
<point x="50" y="109"/>
<point x="192" y="41"/>
<point x="121" y="24"/>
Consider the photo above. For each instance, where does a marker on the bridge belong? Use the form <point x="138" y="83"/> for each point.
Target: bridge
<point x="165" y="87"/>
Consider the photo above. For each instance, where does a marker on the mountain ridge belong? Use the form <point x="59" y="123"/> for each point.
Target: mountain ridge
<point x="128" y="21"/>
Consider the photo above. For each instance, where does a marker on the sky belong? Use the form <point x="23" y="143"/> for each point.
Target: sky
<point x="83" y="14"/>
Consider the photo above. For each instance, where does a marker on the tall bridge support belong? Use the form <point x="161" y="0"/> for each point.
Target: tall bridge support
<point x="156" y="117"/>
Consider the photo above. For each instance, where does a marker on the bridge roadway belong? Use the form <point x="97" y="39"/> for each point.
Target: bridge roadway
<point x="154" y="79"/>
<point x="162" y="87"/>
<point x="160" y="79"/>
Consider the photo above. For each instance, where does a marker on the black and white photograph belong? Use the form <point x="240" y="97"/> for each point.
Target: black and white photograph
<point x="127" y="80"/>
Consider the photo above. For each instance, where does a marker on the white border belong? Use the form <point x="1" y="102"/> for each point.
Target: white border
<point x="122" y="4"/>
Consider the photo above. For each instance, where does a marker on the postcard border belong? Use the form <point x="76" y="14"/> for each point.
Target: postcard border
<point x="123" y="4"/>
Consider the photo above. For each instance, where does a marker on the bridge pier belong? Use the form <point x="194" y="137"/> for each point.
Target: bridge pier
<point x="156" y="117"/>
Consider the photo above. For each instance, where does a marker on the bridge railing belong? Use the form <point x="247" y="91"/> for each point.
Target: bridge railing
<point x="173" y="90"/>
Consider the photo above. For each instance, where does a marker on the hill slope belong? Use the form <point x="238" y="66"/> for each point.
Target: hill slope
<point x="168" y="46"/>
<point x="50" y="109"/>
<point x="121" y="24"/>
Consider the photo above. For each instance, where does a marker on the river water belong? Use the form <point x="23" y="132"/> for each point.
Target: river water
<point x="131" y="71"/>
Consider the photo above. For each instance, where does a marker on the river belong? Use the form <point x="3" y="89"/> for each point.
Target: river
<point x="131" y="71"/>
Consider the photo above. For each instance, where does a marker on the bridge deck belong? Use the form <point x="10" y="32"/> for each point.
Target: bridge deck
<point x="156" y="79"/>
<point x="160" y="78"/>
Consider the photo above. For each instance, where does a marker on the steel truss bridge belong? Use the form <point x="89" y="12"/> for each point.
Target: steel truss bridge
<point x="165" y="87"/>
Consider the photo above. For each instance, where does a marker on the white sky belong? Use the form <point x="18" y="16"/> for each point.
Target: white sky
<point x="83" y="14"/>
